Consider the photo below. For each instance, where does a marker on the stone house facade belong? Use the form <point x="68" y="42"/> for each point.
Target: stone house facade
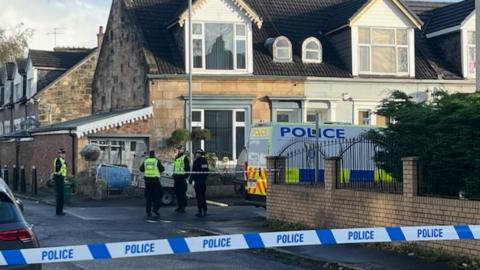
<point x="250" y="67"/>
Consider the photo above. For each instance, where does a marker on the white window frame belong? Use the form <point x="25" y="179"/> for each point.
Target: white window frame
<point x="305" y="50"/>
<point x="275" y="50"/>
<point x="467" y="52"/>
<point x="396" y="46"/>
<point x="235" y="124"/>
<point x="235" y="39"/>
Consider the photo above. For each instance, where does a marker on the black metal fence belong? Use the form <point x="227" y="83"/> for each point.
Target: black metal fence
<point x="305" y="161"/>
<point x="369" y="165"/>
<point x="447" y="182"/>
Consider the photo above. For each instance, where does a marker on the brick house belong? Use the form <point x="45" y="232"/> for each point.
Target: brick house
<point x="266" y="61"/>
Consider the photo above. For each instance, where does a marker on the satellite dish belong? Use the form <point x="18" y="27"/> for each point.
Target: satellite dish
<point x="419" y="97"/>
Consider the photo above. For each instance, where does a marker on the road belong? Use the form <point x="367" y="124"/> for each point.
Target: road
<point x="124" y="220"/>
<point x="84" y="225"/>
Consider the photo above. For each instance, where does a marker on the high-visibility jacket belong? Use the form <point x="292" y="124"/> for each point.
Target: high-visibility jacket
<point x="151" y="168"/>
<point x="63" y="168"/>
<point x="179" y="165"/>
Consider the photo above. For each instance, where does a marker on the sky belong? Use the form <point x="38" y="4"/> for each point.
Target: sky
<point x="77" y="20"/>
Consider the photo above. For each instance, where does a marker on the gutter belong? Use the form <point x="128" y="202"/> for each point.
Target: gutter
<point x="227" y="77"/>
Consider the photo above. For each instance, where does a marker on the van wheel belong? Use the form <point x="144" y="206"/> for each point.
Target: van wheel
<point x="239" y="188"/>
<point x="168" y="197"/>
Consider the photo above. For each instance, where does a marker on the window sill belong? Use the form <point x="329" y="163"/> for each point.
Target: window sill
<point x="387" y="76"/>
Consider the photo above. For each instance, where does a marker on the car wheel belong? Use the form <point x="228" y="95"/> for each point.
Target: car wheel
<point x="168" y="197"/>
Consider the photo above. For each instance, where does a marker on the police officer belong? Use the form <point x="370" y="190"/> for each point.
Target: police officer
<point x="181" y="170"/>
<point x="199" y="176"/>
<point x="59" y="175"/>
<point x="152" y="168"/>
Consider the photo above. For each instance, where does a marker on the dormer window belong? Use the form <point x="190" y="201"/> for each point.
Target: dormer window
<point x="219" y="46"/>
<point x="282" y="50"/>
<point x="383" y="51"/>
<point x="311" y="51"/>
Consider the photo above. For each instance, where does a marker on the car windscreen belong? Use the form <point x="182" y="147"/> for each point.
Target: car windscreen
<point x="258" y="152"/>
<point x="8" y="210"/>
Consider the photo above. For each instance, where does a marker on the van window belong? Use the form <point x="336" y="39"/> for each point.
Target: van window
<point x="8" y="211"/>
<point x="258" y="150"/>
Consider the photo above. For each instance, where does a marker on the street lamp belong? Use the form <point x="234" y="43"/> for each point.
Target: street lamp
<point x="347" y="97"/>
<point x="190" y="73"/>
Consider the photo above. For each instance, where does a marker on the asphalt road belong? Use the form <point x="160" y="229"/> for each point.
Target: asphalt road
<point x="117" y="224"/>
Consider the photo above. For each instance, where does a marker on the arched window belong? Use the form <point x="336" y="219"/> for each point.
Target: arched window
<point x="312" y="51"/>
<point x="282" y="50"/>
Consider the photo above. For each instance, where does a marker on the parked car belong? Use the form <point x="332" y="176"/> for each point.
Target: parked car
<point x="15" y="232"/>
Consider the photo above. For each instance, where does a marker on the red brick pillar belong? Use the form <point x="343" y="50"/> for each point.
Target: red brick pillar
<point x="410" y="177"/>
<point x="276" y="169"/>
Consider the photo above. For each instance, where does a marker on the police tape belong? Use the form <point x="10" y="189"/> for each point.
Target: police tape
<point x="236" y="242"/>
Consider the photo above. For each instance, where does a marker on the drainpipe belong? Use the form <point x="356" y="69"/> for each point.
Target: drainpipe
<point x="74" y="153"/>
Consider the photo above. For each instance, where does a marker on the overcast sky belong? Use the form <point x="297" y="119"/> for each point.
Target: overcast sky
<point x="78" y="20"/>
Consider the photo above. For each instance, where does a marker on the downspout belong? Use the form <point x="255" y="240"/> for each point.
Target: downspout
<point x="74" y="153"/>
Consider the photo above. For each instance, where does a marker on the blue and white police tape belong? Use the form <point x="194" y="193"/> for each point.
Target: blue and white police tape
<point x="236" y="242"/>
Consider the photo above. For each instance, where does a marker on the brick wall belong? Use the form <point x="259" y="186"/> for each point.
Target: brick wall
<point x="39" y="152"/>
<point x="328" y="207"/>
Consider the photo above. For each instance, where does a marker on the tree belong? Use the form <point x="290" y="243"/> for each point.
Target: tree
<point x="14" y="43"/>
<point x="443" y="132"/>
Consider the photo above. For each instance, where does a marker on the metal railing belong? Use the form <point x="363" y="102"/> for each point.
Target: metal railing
<point x="369" y="166"/>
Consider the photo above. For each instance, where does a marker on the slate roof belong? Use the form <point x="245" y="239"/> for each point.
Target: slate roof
<point x="53" y="64"/>
<point x="450" y="16"/>
<point x="343" y="12"/>
<point x="56" y="59"/>
<point x="425" y="9"/>
<point x="298" y="20"/>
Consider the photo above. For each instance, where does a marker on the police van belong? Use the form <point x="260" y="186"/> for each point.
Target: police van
<point x="272" y="139"/>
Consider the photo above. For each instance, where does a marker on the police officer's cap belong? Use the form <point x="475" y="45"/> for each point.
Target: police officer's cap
<point x="152" y="153"/>
<point x="61" y="150"/>
<point x="200" y="151"/>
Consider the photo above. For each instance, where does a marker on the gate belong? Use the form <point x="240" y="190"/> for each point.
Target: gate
<point x="304" y="157"/>
<point x="369" y="165"/>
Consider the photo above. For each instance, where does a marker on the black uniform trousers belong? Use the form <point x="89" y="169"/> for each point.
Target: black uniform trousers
<point x="153" y="194"/>
<point x="200" y="190"/>
<point x="59" y="190"/>
<point x="181" y="186"/>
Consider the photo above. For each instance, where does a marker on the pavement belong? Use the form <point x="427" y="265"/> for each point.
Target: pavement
<point x="122" y="219"/>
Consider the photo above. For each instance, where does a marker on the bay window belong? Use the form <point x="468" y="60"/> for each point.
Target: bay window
<point x="383" y="51"/>
<point x="219" y="46"/>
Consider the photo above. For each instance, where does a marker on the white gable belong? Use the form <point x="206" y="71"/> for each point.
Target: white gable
<point x="382" y="13"/>
<point x="469" y="23"/>
<point x="219" y="11"/>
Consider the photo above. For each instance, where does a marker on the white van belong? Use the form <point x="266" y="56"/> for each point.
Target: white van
<point x="272" y="139"/>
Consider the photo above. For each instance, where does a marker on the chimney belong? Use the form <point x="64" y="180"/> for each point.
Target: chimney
<point x="100" y="36"/>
